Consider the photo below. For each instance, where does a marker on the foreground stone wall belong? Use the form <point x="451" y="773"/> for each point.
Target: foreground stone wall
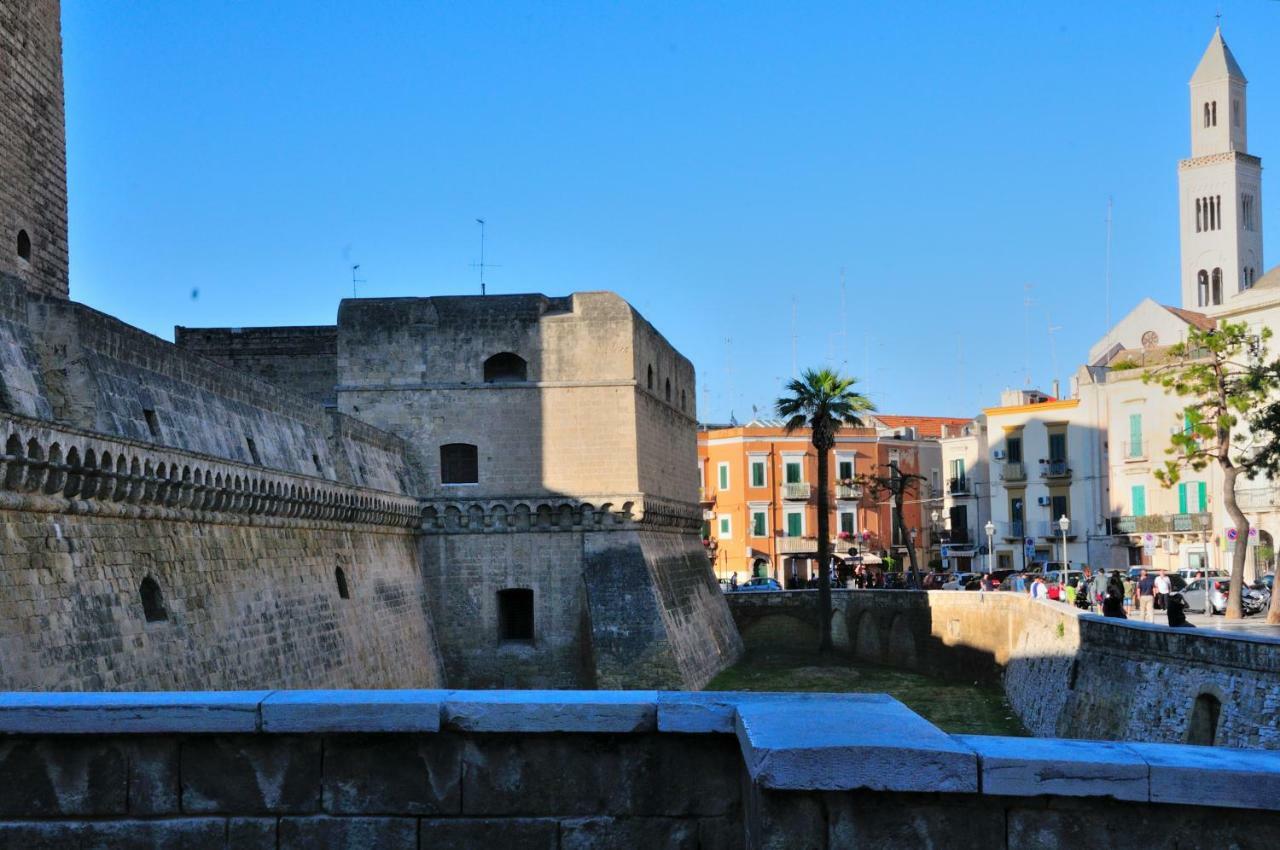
<point x="245" y="563"/>
<point x="459" y="769"/>
<point x="1065" y="673"/>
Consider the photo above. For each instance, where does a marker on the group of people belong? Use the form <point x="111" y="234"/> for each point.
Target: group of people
<point x="1115" y="594"/>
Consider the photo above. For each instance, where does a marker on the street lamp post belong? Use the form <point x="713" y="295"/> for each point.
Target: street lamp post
<point x="936" y="516"/>
<point x="991" y="532"/>
<point x="1063" y="525"/>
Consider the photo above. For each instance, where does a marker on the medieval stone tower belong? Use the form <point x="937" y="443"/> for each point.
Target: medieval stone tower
<point x="1219" y="187"/>
<point x="33" y="158"/>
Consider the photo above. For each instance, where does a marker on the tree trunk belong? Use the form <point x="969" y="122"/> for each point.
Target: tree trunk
<point x="1273" y="612"/>
<point x="823" y="446"/>
<point x="1235" y="592"/>
<point x="902" y="532"/>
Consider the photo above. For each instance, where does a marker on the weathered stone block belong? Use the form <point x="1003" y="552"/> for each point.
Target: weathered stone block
<point x="726" y="833"/>
<point x="1030" y="767"/>
<point x="178" y="834"/>
<point x="552" y="711"/>
<point x="251" y="833"/>
<point x="893" y="821"/>
<point x="396" y="774"/>
<point x="384" y="833"/>
<point x="251" y="775"/>
<point x="48" y="777"/>
<point x="604" y="833"/>
<point x="352" y="711"/>
<point x="153" y="776"/>
<point x="466" y="833"/>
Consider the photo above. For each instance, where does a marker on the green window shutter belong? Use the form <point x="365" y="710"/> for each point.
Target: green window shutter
<point x="1139" y="500"/>
<point x="1135" y="435"/>
<point x="1203" y="497"/>
<point x="793" y="473"/>
<point x="724" y="478"/>
<point x="795" y="525"/>
<point x="757" y="474"/>
<point x="757" y="524"/>
<point x="1182" y="498"/>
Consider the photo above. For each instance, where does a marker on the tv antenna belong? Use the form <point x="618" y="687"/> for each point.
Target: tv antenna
<point x="1026" y="330"/>
<point x="482" y="265"/>
<point x="356" y="280"/>
<point x="1108" y="265"/>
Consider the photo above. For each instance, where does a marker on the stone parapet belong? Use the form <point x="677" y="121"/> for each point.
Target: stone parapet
<point x="603" y="512"/>
<point x="49" y="468"/>
<point x="557" y="769"/>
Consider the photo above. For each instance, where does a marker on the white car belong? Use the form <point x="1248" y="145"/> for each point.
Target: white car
<point x="1195" y="596"/>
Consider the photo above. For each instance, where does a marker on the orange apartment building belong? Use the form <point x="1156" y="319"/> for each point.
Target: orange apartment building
<point x="759" y="495"/>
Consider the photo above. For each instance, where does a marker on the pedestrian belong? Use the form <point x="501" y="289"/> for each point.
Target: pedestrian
<point x="1146" y="597"/>
<point x="985" y="584"/>
<point x="1176" y="608"/>
<point x="1098" y="591"/>
<point x="1054" y="591"/>
<point x="1069" y="592"/>
<point x="1113" y="602"/>
<point x="1163" y="587"/>
<point x="1038" y="589"/>
<point x="1130" y="587"/>
<point x="733" y="581"/>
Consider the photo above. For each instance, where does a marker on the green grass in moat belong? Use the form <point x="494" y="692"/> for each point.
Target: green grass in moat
<point x="954" y="707"/>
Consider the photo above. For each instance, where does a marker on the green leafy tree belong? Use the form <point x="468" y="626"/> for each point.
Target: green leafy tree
<point x="897" y="487"/>
<point x="824" y="402"/>
<point x="1225" y="378"/>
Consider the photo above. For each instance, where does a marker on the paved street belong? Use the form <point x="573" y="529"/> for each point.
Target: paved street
<point x="1256" y="625"/>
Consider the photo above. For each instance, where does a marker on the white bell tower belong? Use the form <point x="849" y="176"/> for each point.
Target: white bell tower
<point x="1219" y="188"/>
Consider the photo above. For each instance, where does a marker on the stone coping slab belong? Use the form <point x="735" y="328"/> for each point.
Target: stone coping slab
<point x="353" y="711"/>
<point x="1212" y="776"/>
<point x="552" y="711"/>
<point x="883" y="746"/>
<point x="815" y="742"/>
<point x="1030" y="767"/>
<point x="130" y="713"/>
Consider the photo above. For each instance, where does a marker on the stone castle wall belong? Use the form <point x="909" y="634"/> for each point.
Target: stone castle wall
<point x="1065" y="673"/>
<point x="303" y="359"/>
<point x="245" y="560"/>
<point x="33" y="158"/>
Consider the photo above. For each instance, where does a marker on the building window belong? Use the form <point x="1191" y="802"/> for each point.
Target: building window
<point x="722" y="473"/>
<point x="1246" y="212"/>
<point x="758" y="475"/>
<point x="341" y="578"/>
<point x="1059" y="506"/>
<point x="1192" y="497"/>
<point x="1013" y="449"/>
<point x="759" y="524"/>
<point x="515" y="614"/>
<point x="1217" y="286"/>
<point x="1202" y="288"/>
<point x="24" y="246"/>
<point x="795" y="524"/>
<point x="1202" y="728"/>
<point x="1198" y="227"/>
<point x="315" y="459"/>
<point x="1235" y="111"/>
<point x="794" y="471"/>
<point x="152" y="601"/>
<point x="1213" y="112"/>
<point x="505" y="368"/>
<point x="651" y="377"/>
<point x="1206" y="114"/>
<point x="253" y="450"/>
<point x="668" y="391"/>
<point x="459" y="464"/>
<point x="153" y="424"/>
<point x="725" y="529"/>
<point x="844" y="470"/>
<point x="848" y="523"/>
<point x="1138" y="500"/>
<point x="682" y="402"/>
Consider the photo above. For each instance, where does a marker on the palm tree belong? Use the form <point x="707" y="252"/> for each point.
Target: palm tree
<point x="824" y="402"/>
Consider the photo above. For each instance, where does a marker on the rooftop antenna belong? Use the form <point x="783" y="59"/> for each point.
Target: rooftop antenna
<point x="482" y="265"/>
<point x="1053" y="351"/>
<point x="1026" y="328"/>
<point x="1108" y="265"/>
<point x="355" y="280"/>
<point x="844" y="325"/>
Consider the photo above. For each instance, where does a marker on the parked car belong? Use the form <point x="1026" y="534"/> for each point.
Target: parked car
<point x="959" y="581"/>
<point x="760" y="583"/>
<point x="1063" y="577"/>
<point x="935" y="581"/>
<point x="1213" y="601"/>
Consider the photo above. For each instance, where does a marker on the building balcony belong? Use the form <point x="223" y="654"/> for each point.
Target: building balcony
<point x="1135" y="452"/>
<point x="796" y="545"/>
<point x="707" y="497"/>
<point x="1160" y="524"/>
<point x="1055" y="469"/>
<point x="1013" y="471"/>
<point x="848" y="491"/>
<point x="798" y="492"/>
<point x="708" y="514"/>
<point x="958" y="486"/>
<point x="1258" y="498"/>
<point x="1049" y="530"/>
<point x="956" y="537"/>
<point x="1011" y="530"/>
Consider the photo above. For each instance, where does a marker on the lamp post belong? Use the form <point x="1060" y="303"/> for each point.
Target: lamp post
<point x="991" y="532"/>
<point x="1063" y="525"/>
<point x="936" y="517"/>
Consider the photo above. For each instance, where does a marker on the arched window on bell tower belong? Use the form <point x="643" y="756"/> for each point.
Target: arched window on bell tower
<point x="1206" y="113"/>
<point x="1214" y="112"/>
<point x="1217" y="286"/>
<point x="1198" y="227"/>
<point x="1202" y="288"/>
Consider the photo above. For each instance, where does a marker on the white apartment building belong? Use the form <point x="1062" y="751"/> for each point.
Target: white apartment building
<point x="966" y="497"/>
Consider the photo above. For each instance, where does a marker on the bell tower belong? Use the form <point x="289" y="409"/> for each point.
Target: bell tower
<point x="1219" y="187"/>
<point x="33" y="148"/>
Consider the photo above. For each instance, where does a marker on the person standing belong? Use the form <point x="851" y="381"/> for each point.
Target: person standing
<point x="1146" y="597"/>
<point x="1099" y="590"/>
<point x="1038" y="589"/>
<point x="1130" y="589"/>
<point x="1163" y="586"/>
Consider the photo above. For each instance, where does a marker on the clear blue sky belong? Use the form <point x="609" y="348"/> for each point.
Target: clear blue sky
<point x="712" y="163"/>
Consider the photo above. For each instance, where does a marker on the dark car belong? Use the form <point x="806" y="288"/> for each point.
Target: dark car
<point x="759" y="583"/>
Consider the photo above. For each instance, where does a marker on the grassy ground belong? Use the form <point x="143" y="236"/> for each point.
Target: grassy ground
<point x="955" y="707"/>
